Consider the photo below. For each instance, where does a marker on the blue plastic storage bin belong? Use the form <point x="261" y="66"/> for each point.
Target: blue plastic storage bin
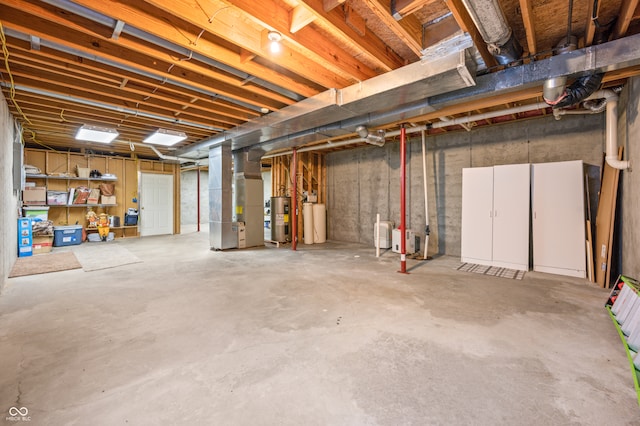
<point x="67" y="235"/>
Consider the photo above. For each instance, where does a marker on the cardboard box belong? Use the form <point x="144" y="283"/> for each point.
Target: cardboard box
<point x="108" y="199"/>
<point x="35" y="195"/>
<point x="84" y="172"/>
<point x="94" y="196"/>
<point x="43" y="244"/>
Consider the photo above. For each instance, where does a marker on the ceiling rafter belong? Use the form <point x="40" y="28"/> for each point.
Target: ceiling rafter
<point x="185" y="39"/>
<point x="306" y="42"/>
<point x="402" y="8"/>
<point x="139" y="56"/>
<point x="526" y="9"/>
<point x="370" y="44"/>
<point x="625" y="16"/>
<point x="167" y="91"/>
<point x="400" y="29"/>
<point x="466" y="23"/>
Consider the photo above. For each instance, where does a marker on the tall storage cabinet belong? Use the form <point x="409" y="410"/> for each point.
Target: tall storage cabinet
<point x="558" y="218"/>
<point x="477" y="215"/>
<point x="495" y="216"/>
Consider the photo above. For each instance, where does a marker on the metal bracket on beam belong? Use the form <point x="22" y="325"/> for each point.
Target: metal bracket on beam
<point x="117" y="30"/>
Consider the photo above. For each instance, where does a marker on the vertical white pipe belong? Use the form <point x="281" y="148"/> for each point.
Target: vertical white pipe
<point x="612" y="136"/>
<point x="426" y="198"/>
<point x="377" y="235"/>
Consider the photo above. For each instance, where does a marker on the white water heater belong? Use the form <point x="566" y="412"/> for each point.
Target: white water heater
<point x="410" y="238"/>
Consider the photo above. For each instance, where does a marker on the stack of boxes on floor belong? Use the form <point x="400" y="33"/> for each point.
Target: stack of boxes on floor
<point x="41" y="229"/>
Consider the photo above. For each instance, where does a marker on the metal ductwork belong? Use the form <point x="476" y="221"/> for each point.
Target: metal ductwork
<point x="376" y="139"/>
<point x="337" y="112"/>
<point x="610" y="56"/>
<point x="488" y="17"/>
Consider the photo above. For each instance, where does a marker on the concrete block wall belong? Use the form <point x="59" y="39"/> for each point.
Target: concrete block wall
<point x="189" y="197"/>
<point x="8" y="197"/>
<point x="366" y="181"/>
<point x="629" y="136"/>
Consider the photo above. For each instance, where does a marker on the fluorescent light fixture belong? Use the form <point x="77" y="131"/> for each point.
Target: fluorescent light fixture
<point x="96" y="134"/>
<point x="165" y="137"/>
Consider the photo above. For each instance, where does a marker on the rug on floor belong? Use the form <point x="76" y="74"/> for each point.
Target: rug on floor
<point x="491" y="270"/>
<point x="103" y="255"/>
<point x="44" y="263"/>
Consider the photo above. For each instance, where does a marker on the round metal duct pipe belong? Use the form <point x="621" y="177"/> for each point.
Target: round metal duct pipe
<point x="492" y="24"/>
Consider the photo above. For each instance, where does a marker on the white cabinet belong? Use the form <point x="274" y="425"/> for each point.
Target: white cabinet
<point x="558" y="218"/>
<point x="495" y="216"/>
<point x="477" y="215"/>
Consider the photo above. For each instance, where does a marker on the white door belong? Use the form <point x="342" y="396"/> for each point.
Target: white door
<point x="156" y="204"/>
<point x="477" y="212"/>
<point x="511" y="195"/>
<point x="558" y="218"/>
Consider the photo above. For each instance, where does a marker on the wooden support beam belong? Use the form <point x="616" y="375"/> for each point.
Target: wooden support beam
<point x="247" y="38"/>
<point x="439" y="31"/>
<point x="529" y="27"/>
<point x="627" y="9"/>
<point x="129" y="51"/>
<point x="402" y="8"/>
<point x="370" y="45"/>
<point x="412" y="41"/>
<point x="590" y="27"/>
<point x="246" y="56"/>
<point x="355" y="21"/>
<point x="300" y="18"/>
<point x="332" y="65"/>
<point x="466" y="23"/>
<point x="329" y="5"/>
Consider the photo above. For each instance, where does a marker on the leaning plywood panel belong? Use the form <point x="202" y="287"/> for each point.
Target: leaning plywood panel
<point x="558" y="218"/>
<point x="605" y="218"/>
<point x="477" y="215"/>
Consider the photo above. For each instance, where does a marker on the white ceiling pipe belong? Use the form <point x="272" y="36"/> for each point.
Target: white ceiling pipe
<point x="557" y="113"/>
<point x="452" y="122"/>
<point x="611" y="142"/>
<point x="464" y="126"/>
<point x="159" y="154"/>
<point x="611" y="150"/>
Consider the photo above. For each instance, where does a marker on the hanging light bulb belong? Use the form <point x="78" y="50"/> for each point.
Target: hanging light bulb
<point x="274" y="41"/>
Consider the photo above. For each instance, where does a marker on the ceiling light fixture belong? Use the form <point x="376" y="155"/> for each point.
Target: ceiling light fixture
<point x="165" y="137"/>
<point x="96" y="134"/>
<point x="274" y="41"/>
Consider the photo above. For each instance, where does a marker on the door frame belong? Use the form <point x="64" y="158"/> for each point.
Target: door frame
<point x="141" y="200"/>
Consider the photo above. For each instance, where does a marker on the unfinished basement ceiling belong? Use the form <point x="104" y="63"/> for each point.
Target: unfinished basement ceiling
<point x="204" y="66"/>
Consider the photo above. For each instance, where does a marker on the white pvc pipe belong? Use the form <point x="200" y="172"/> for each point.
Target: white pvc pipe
<point x="611" y="124"/>
<point x="378" y="235"/>
<point x="426" y="198"/>
<point x="611" y="150"/>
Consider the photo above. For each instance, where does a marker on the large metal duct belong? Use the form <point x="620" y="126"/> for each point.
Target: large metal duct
<point x="496" y="32"/>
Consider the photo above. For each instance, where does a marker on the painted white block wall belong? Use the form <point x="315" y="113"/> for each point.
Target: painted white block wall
<point x="8" y="197"/>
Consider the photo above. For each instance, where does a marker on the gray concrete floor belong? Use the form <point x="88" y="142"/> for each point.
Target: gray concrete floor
<point x="328" y="335"/>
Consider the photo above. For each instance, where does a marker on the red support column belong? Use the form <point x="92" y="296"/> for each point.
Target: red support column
<point x="294" y="201"/>
<point x="403" y="225"/>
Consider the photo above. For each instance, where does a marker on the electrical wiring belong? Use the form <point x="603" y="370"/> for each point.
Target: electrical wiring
<point x="12" y="88"/>
<point x="12" y="93"/>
